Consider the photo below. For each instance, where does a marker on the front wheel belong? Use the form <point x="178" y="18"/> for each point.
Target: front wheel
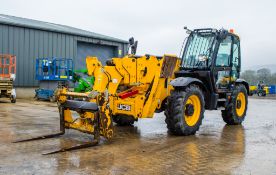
<point x="235" y="111"/>
<point x="185" y="111"/>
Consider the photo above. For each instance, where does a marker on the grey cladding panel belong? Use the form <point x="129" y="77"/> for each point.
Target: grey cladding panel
<point x="5" y="33"/>
<point x="28" y="44"/>
<point x="103" y="53"/>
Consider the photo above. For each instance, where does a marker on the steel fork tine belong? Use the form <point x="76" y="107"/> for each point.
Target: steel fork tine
<point x="40" y="137"/>
<point x="87" y="145"/>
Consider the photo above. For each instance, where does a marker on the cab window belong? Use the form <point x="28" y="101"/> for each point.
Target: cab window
<point x="224" y="53"/>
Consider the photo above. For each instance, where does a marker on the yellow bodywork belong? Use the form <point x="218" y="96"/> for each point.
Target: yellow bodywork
<point x="252" y="88"/>
<point x="266" y="88"/>
<point x="142" y="74"/>
<point x="132" y="86"/>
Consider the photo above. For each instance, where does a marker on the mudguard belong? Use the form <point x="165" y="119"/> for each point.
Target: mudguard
<point x="244" y="82"/>
<point x="185" y="81"/>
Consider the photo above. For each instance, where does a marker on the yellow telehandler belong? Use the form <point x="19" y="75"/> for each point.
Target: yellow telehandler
<point x="132" y="87"/>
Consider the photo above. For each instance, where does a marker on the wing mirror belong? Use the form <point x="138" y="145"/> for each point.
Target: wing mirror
<point x="131" y="41"/>
<point x="132" y="46"/>
<point x="188" y="31"/>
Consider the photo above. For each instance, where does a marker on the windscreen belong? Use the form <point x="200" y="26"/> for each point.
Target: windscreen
<point x="198" y="50"/>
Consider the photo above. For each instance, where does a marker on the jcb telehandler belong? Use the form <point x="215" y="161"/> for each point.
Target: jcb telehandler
<point x="208" y="78"/>
<point x="132" y="87"/>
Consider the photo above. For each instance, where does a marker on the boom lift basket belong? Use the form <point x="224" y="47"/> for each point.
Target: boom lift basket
<point x="7" y="66"/>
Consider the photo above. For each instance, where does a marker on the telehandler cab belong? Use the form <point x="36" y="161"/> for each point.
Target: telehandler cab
<point x="132" y="87"/>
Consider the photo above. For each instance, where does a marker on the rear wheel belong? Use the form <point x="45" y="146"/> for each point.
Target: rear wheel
<point x="235" y="111"/>
<point x="184" y="113"/>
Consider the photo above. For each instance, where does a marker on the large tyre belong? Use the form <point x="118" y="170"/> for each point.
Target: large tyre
<point x="123" y="120"/>
<point x="185" y="110"/>
<point x="235" y="111"/>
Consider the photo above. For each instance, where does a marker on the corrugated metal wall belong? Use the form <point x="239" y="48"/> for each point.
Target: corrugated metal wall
<point x="28" y="44"/>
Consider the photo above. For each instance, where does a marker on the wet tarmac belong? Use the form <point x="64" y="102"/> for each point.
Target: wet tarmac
<point x="145" y="148"/>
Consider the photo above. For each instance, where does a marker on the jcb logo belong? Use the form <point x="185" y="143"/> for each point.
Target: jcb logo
<point x="124" y="107"/>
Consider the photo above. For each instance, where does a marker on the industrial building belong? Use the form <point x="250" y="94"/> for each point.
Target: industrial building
<point x="30" y="39"/>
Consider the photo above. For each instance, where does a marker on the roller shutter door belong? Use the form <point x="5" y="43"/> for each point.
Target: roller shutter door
<point x="103" y="53"/>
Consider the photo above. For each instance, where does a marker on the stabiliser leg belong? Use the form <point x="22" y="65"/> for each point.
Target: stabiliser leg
<point x="95" y="142"/>
<point x="62" y="131"/>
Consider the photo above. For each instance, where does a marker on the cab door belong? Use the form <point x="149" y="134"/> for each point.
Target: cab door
<point x="223" y="66"/>
<point x="236" y="60"/>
